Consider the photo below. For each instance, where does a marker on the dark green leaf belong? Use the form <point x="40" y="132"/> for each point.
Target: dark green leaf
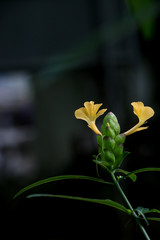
<point x="107" y="202"/>
<point x="132" y="176"/>
<point x="57" y="178"/>
<point x="146" y="211"/>
<point x="140" y="212"/>
<point x="154" y="219"/>
<point x="142" y="170"/>
<point x="142" y="209"/>
<point x="154" y="211"/>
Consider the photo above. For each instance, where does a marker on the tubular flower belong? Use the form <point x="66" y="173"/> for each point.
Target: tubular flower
<point x="90" y="113"/>
<point x="143" y="113"/>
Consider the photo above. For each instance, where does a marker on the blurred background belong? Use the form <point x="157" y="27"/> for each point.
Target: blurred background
<point x="54" y="56"/>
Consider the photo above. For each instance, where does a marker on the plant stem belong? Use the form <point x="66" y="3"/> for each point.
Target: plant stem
<point x="130" y="206"/>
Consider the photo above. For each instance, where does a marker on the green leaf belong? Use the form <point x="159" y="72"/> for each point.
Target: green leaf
<point x="142" y="209"/>
<point x="140" y="212"/>
<point x="146" y="211"/>
<point x="141" y="170"/>
<point x="154" y="219"/>
<point x="132" y="176"/>
<point x="154" y="211"/>
<point x="58" y="178"/>
<point x="107" y="202"/>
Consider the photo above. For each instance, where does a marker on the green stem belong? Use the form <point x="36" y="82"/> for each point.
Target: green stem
<point x="130" y="206"/>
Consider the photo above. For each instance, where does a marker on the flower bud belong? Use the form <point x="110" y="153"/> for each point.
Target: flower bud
<point x="120" y="138"/>
<point x="108" y="116"/>
<point x="107" y="131"/>
<point x="108" y="143"/>
<point x="114" y="125"/>
<point x="111" y="143"/>
<point x="109" y="155"/>
<point x="118" y="150"/>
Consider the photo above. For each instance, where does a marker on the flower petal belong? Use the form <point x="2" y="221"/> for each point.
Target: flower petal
<point x="92" y="109"/>
<point x="81" y="114"/>
<point x="89" y="106"/>
<point x="96" y="107"/>
<point x="147" y="113"/>
<point x="137" y="108"/>
<point x="90" y="113"/>
<point x="93" y="126"/>
<point x="142" y="112"/>
<point x="140" y="129"/>
<point x="101" y="112"/>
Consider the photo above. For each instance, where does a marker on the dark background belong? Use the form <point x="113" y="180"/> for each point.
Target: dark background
<point x="54" y="56"/>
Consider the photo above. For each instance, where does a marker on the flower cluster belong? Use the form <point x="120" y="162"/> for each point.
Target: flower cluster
<point x="90" y="113"/>
<point x="109" y="139"/>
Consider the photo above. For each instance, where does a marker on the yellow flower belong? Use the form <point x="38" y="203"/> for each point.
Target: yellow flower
<point x="143" y="113"/>
<point x="90" y="113"/>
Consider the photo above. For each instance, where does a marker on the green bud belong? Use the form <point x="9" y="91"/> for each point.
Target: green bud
<point x="111" y="121"/>
<point x="114" y="125"/>
<point x="108" y="143"/>
<point x="107" y="131"/>
<point x="120" y="138"/>
<point x="109" y="157"/>
<point x="110" y="115"/>
<point x="118" y="150"/>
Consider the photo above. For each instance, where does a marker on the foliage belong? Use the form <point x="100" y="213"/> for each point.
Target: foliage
<point x="110" y="156"/>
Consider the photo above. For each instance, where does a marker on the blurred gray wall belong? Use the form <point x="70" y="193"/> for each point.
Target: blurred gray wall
<point x="76" y="51"/>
